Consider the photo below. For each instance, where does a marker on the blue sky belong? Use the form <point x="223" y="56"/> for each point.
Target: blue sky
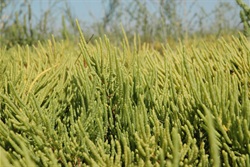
<point x="83" y="8"/>
<point x="90" y="11"/>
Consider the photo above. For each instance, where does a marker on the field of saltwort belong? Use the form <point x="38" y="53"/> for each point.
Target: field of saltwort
<point x="102" y="105"/>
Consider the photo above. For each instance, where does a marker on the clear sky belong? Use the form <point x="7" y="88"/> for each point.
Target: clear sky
<point x="86" y="9"/>
<point x="90" y="11"/>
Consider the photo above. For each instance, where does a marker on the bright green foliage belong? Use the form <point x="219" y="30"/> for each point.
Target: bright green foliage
<point x="125" y="106"/>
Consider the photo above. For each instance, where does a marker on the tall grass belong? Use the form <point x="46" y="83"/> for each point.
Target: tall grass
<point x="102" y="105"/>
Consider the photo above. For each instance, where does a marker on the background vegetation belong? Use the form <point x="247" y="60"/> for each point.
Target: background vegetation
<point x="169" y="22"/>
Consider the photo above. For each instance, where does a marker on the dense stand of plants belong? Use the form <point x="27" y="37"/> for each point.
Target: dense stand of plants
<point x="102" y="105"/>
